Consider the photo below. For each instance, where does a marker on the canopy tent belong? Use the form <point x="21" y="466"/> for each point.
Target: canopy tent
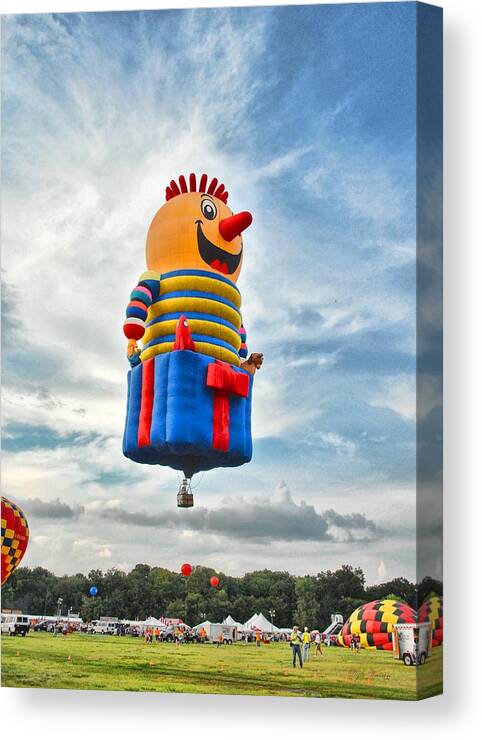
<point x="151" y="622"/>
<point x="259" y="622"/>
<point x="230" y="622"/>
<point x="204" y="624"/>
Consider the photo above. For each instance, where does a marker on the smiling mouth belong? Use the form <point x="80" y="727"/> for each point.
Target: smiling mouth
<point x="216" y="257"/>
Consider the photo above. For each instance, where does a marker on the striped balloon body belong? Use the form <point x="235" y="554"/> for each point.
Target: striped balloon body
<point x="374" y="623"/>
<point x="211" y="303"/>
<point x="14" y="537"/>
<point x="432" y="611"/>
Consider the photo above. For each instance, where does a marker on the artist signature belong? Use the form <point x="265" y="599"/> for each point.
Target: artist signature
<point x="366" y="676"/>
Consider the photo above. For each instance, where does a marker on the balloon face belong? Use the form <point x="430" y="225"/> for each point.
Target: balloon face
<point x="197" y="231"/>
<point x="373" y="623"/>
<point x="93" y="591"/>
<point x="214" y="581"/>
<point x="14" y="537"/>
<point x="186" y="569"/>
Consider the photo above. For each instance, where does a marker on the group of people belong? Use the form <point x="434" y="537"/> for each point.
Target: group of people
<point x="301" y="643"/>
<point x="355" y="643"/>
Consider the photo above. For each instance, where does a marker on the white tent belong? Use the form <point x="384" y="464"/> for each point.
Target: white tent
<point x="204" y="624"/>
<point x="259" y="621"/>
<point x="151" y="622"/>
<point x="230" y="622"/>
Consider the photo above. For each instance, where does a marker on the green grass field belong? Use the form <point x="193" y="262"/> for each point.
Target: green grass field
<point x="127" y="664"/>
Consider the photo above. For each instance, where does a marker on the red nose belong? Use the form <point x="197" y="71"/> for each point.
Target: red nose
<point x="234" y="225"/>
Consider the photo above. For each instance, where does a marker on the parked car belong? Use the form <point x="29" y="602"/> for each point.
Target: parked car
<point x="41" y="626"/>
<point x="15" y="624"/>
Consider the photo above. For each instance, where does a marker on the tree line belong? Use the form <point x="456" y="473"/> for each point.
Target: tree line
<point x="154" y="591"/>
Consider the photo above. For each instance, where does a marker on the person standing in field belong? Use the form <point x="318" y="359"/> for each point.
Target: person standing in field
<point x="258" y="638"/>
<point x="295" y="642"/>
<point x="318" y="650"/>
<point x="306" y="644"/>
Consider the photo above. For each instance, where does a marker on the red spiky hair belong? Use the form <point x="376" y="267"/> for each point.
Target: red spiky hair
<point x="214" y="188"/>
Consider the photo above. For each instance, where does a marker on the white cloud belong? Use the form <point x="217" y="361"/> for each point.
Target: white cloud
<point x="342" y="446"/>
<point x="397" y="393"/>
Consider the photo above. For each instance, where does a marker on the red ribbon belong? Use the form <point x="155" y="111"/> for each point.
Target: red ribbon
<point x="225" y="381"/>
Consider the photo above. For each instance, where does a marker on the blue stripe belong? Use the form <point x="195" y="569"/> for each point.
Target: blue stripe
<point x="200" y="273"/>
<point x="197" y="294"/>
<point x="195" y="337"/>
<point x="153" y="285"/>
<point x="134" y="311"/>
<point x="193" y="315"/>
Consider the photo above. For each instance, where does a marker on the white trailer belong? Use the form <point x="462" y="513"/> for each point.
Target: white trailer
<point x="412" y="643"/>
<point x="214" y="630"/>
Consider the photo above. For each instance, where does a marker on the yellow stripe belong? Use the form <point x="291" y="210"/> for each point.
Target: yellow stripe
<point x="197" y="326"/>
<point x="390" y="618"/>
<point x="199" y="305"/>
<point x="199" y="282"/>
<point x="219" y="353"/>
<point x="149" y="275"/>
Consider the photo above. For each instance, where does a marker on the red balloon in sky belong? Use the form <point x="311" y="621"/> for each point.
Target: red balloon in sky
<point x="186" y="569"/>
<point x="214" y="581"/>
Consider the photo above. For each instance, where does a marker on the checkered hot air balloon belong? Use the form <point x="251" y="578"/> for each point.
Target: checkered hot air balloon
<point x="14" y="537"/>
<point x="374" y="621"/>
<point x="432" y="611"/>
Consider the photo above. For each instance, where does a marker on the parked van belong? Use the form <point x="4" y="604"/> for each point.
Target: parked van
<point x="104" y="628"/>
<point x="15" y="624"/>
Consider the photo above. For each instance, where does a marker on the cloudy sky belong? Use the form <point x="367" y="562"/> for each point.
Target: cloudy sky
<point x="308" y="115"/>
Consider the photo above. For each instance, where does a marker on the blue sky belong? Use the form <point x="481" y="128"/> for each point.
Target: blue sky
<point x="308" y="115"/>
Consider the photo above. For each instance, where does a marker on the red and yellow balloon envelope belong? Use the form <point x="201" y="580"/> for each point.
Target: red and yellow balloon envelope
<point x="432" y="611"/>
<point x="374" y="623"/>
<point x="14" y="537"/>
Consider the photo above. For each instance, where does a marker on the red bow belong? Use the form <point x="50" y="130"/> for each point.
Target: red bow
<point x="225" y="381"/>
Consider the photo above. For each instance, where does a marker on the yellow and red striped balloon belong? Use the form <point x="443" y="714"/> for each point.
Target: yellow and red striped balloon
<point x="374" y="623"/>
<point x="14" y="537"/>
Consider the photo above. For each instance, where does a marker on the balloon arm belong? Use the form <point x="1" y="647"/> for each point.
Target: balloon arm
<point x="144" y="294"/>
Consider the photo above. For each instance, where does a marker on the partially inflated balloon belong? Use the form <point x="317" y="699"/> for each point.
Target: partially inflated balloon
<point x="374" y="622"/>
<point x="432" y="611"/>
<point x="14" y="537"/>
<point x="186" y="569"/>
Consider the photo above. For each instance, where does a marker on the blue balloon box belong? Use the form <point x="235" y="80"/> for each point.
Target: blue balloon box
<point x="188" y="411"/>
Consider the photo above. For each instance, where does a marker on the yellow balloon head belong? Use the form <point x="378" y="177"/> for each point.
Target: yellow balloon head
<point x="197" y="231"/>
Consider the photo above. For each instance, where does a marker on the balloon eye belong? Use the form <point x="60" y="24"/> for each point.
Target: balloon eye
<point x="208" y="209"/>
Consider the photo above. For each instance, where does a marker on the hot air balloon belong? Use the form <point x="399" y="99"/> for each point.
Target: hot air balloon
<point x="186" y="569"/>
<point x="93" y="591"/>
<point x="432" y="611"/>
<point x="374" y="623"/>
<point x="214" y="581"/>
<point x="14" y="537"/>
<point x="189" y="396"/>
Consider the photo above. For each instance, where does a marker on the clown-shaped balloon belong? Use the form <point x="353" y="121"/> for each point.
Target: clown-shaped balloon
<point x="14" y="537"/>
<point x="189" y="404"/>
